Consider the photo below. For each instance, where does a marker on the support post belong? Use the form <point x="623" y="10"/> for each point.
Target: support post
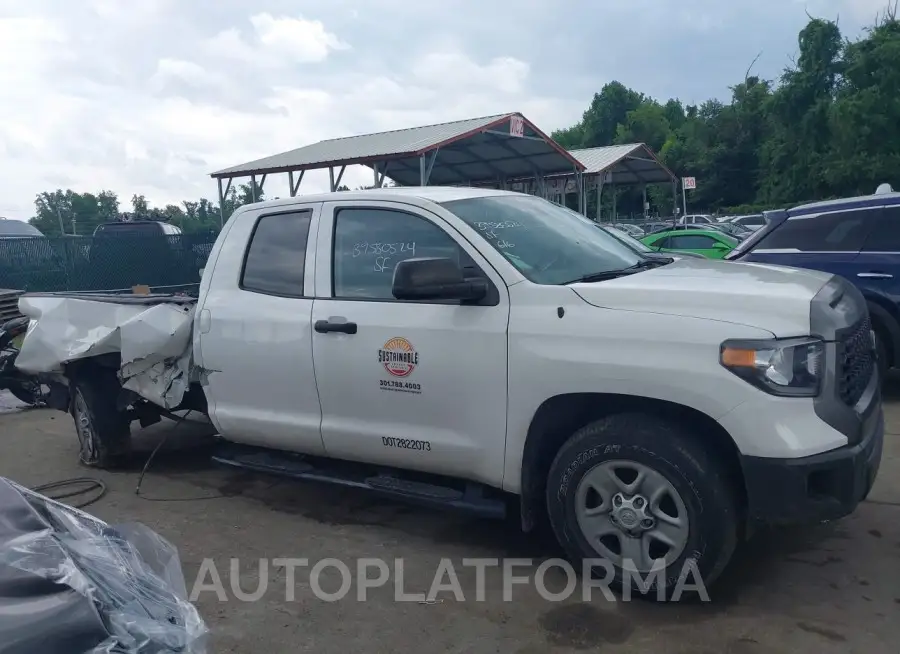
<point x="375" y="170"/>
<point x="674" y="198"/>
<point x="425" y="167"/>
<point x="644" y="207"/>
<point x="683" y="199"/>
<point x="291" y="182"/>
<point x="295" y="187"/>
<point x="600" y="178"/>
<point x="615" y="211"/>
<point x="221" y="204"/>
<point x="340" y="176"/>
<point x="253" y="188"/>
<point x="331" y="178"/>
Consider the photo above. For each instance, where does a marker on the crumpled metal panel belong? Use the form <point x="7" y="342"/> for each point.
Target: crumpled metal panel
<point x="154" y="340"/>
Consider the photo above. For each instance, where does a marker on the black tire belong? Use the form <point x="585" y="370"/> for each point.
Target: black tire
<point x="693" y="471"/>
<point x="104" y="433"/>
<point x="882" y="356"/>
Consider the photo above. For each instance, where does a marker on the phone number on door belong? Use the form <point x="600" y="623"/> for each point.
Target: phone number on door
<point x="407" y="386"/>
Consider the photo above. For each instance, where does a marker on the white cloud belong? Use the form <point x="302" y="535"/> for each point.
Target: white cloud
<point x="455" y="69"/>
<point x="188" y="72"/>
<point x="160" y="129"/>
<point x="277" y="42"/>
<point x="150" y="96"/>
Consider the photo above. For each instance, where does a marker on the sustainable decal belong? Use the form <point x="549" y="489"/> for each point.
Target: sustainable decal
<point x="399" y="359"/>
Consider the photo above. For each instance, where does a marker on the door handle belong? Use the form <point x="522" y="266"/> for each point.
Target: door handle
<point x="325" y="327"/>
<point x="874" y="275"/>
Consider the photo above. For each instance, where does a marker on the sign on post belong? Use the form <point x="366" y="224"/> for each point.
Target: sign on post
<point x="516" y="126"/>
<point x="687" y="183"/>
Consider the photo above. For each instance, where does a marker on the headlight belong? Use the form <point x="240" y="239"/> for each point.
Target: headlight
<point x="790" y="367"/>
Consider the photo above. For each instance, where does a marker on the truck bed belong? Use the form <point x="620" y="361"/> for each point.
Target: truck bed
<point x="151" y="333"/>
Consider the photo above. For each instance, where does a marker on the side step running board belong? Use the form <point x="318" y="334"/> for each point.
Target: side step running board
<point x="385" y="483"/>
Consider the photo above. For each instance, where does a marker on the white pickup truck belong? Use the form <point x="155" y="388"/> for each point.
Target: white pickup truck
<point x="482" y="350"/>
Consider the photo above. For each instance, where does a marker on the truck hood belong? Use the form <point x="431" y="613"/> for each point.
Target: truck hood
<point x="773" y="298"/>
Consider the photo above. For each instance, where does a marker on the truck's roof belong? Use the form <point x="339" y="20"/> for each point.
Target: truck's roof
<point x="431" y="193"/>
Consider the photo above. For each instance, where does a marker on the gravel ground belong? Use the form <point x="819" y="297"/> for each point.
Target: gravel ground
<point x="830" y="588"/>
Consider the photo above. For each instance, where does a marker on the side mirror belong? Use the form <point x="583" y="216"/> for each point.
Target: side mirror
<point x="720" y="246"/>
<point x="435" y="278"/>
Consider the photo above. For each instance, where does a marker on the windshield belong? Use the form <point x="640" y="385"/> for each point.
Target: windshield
<point x="547" y="243"/>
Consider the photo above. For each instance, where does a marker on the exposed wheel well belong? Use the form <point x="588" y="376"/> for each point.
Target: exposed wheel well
<point x="887" y="329"/>
<point x="561" y="416"/>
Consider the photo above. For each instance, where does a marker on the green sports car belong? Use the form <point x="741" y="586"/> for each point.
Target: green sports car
<point x="710" y="243"/>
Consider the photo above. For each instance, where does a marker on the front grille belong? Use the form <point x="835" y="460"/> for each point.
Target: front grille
<point x="856" y="362"/>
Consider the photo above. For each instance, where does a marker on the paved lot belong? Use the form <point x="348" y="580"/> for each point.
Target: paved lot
<point x="832" y="588"/>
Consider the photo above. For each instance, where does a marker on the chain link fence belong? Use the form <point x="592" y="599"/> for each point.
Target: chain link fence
<point x="103" y="262"/>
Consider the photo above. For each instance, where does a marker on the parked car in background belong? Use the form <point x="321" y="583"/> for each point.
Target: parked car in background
<point x="657" y="226"/>
<point x="752" y="222"/>
<point x="733" y="229"/>
<point x="631" y="230"/>
<point x="711" y="243"/>
<point x="644" y="249"/>
<point x="28" y="257"/>
<point x="857" y="238"/>
<point x="124" y="254"/>
<point x="137" y="228"/>
<point x="694" y="218"/>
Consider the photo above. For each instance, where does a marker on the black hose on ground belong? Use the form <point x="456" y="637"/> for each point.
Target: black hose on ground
<point x="76" y="487"/>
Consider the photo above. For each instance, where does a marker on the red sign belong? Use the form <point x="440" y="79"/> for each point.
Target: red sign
<point x="516" y="126"/>
<point x="689" y="182"/>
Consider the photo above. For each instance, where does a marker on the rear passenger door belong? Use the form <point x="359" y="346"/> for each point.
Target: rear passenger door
<point x="255" y="333"/>
<point x="830" y="242"/>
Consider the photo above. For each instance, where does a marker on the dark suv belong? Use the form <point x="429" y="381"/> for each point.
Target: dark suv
<point x="857" y="238"/>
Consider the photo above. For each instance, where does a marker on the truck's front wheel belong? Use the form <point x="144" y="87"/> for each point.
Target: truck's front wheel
<point x="643" y="495"/>
<point x="104" y="435"/>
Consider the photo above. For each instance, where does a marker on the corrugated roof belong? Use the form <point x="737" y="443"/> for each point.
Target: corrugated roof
<point x="366" y="146"/>
<point x="467" y="151"/>
<point x="629" y="163"/>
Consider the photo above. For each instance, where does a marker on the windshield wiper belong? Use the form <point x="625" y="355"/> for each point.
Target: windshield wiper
<point x="646" y="264"/>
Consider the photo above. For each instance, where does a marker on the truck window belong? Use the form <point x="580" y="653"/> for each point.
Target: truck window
<point x="369" y="243"/>
<point x="885" y="234"/>
<point x="839" y="231"/>
<point x="276" y="254"/>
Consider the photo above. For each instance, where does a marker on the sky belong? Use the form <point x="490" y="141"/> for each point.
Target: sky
<point x="150" y="96"/>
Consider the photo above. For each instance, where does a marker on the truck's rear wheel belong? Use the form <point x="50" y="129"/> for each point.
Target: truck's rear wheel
<point x="882" y="356"/>
<point x="104" y="435"/>
<point x="642" y="494"/>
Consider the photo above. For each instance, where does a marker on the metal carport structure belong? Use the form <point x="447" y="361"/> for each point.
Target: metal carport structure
<point x="618" y="165"/>
<point x="630" y="164"/>
<point x="492" y="149"/>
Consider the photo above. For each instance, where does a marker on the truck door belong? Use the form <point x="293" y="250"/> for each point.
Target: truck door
<point x="255" y="334"/>
<point x="417" y="385"/>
